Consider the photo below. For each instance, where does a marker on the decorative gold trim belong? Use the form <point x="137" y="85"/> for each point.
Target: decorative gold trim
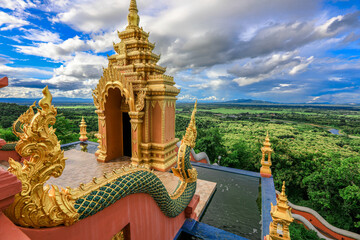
<point x="113" y="78"/>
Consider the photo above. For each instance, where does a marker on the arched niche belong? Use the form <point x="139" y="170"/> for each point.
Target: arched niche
<point x="117" y="125"/>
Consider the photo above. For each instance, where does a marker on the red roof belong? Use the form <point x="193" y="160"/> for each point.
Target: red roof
<point x="4" y="82"/>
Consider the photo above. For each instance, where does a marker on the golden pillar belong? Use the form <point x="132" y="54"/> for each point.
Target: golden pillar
<point x="136" y="136"/>
<point x="281" y="218"/>
<point x="266" y="150"/>
<point x="83" y="132"/>
<point x="101" y="135"/>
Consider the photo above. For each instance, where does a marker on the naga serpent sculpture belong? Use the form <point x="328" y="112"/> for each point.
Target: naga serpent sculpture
<point x="44" y="206"/>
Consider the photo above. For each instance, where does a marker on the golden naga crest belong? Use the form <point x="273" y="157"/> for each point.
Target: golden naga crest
<point x="182" y="171"/>
<point x="191" y="133"/>
<point x="36" y="205"/>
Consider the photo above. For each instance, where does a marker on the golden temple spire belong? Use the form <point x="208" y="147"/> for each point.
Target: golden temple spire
<point x="83" y="132"/>
<point x="265" y="170"/>
<point x="133" y="17"/>
<point x="282" y="218"/>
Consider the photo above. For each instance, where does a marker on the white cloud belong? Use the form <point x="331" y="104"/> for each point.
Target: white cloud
<point x="302" y="66"/>
<point x="20" y="92"/>
<point x="8" y="22"/>
<point x="20" y="72"/>
<point x="83" y="70"/>
<point x="210" y="98"/>
<point x="57" y="52"/>
<point x="92" y="15"/>
<point x="336" y="79"/>
<point x="16" y="4"/>
<point x="186" y="97"/>
<point x="212" y="84"/>
<point x="260" y="69"/>
<point x="41" y="36"/>
<point x="26" y="92"/>
<point x="103" y="42"/>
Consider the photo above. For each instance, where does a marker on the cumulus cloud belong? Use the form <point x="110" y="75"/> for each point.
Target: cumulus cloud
<point x="20" y="92"/>
<point x="16" y="4"/>
<point x="50" y="46"/>
<point x="8" y="22"/>
<point x="56" y="52"/>
<point x="217" y="48"/>
<point x="186" y="98"/>
<point x="41" y="35"/>
<point x="210" y="98"/>
<point x="27" y="92"/>
<point x="260" y="69"/>
<point x="103" y="42"/>
<point x="302" y="66"/>
<point x="93" y="16"/>
<point x="84" y="70"/>
<point x="209" y="47"/>
<point x="213" y="84"/>
<point x="20" y="72"/>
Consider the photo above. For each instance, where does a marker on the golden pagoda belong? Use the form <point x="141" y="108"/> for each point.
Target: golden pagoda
<point x="265" y="170"/>
<point x="83" y="132"/>
<point x="281" y="218"/>
<point x="135" y="102"/>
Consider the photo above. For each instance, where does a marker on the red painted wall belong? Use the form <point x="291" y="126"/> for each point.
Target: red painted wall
<point x="140" y="210"/>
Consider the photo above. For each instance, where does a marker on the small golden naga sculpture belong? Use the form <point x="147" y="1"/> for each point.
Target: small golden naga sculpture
<point x="37" y="205"/>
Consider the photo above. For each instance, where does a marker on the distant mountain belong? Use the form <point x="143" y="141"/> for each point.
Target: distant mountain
<point x="56" y="100"/>
<point x="247" y="101"/>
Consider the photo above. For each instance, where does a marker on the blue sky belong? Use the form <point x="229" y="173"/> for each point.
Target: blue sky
<point x="291" y="51"/>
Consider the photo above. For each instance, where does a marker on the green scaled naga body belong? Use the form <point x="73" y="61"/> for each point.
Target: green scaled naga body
<point x="48" y="206"/>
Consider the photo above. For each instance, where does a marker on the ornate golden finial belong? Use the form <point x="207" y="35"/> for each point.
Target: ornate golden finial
<point x="133" y="6"/>
<point x="265" y="170"/>
<point x="283" y="189"/>
<point x="282" y="218"/>
<point x="83" y="132"/>
<point x="190" y="135"/>
<point x="133" y="17"/>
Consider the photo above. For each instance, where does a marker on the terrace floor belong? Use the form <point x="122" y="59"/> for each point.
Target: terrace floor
<point x="81" y="167"/>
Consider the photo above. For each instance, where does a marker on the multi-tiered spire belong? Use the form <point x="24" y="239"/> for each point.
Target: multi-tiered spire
<point x="147" y="95"/>
<point x="281" y="218"/>
<point x="265" y="170"/>
<point x="133" y="17"/>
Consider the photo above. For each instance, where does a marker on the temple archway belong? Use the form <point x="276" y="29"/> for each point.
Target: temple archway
<point x="118" y="127"/>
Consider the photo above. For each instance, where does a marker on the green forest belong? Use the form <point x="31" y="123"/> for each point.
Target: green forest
<point x="321" y="169"/>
